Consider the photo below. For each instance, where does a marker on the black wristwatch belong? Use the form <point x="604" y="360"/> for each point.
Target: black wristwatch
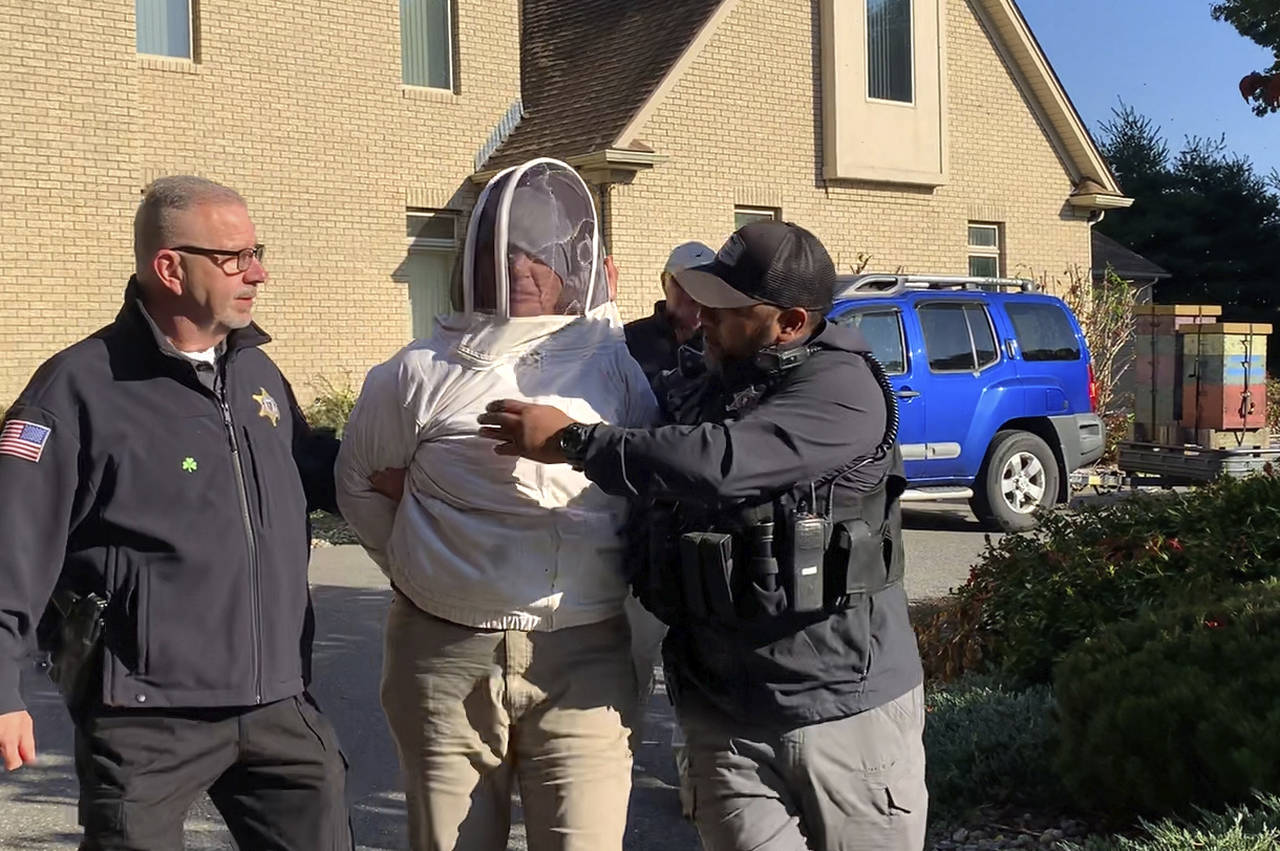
<point x="574" y="439"/>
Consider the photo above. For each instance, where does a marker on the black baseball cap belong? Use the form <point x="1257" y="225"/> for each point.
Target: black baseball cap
<point x="776" y="263"/>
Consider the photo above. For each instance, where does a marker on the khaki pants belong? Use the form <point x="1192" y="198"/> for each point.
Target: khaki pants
<point x="475" y="711"/>
<point x="854" y="784"/>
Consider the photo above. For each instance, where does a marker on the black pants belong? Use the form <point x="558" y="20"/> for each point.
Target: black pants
<point x="274" y="772"/>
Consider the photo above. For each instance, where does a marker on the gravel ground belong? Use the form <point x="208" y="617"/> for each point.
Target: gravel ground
<point x="1026" y="830"/>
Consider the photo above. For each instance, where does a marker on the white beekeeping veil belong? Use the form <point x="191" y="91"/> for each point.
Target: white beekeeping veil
<point x="533" y="246"/>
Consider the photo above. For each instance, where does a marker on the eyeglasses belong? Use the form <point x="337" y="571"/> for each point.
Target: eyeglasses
<point x="244" y="257"/>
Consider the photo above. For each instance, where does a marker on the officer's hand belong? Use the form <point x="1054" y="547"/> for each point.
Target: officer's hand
<point x="389" y="482"/>
<point x="17" y="740"/>
<point x="522" y="429"/>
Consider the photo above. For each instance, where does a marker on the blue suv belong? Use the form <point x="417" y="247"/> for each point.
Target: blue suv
<point x="995" y="388"/>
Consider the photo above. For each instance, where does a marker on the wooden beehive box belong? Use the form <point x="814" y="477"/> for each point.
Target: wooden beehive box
<point x="1224" y="376"/>
<point x="1157" y="359"/>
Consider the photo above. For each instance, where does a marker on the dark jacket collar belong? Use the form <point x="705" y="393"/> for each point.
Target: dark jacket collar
<point x="660" y="313"/>
<point x="844" y="338"/>
<point x="132" y="319"/>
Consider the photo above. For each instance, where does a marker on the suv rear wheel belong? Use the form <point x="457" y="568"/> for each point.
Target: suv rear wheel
<point x="1020" y="475"/>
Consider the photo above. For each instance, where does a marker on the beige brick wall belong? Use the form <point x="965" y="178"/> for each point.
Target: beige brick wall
<point x="68" y="174"/>
<point x="742" y="128"/>
<point x="297" y="105"/>
<point x="300" y="107"/>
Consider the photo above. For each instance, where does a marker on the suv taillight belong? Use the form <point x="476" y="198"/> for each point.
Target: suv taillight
<point x="1093" y="391"/>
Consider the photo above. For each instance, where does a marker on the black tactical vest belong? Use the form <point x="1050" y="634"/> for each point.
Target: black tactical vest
<point x="806" y="553"/>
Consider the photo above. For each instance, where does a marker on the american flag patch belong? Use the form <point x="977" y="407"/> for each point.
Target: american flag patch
<point x="23" y="439"/>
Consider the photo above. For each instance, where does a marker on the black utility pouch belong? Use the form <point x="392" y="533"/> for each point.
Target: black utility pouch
<point x="716" y="552"/>
<point x="855" y="563"/>
<point x="706" y="561"/>
<point x="691" y="574"/>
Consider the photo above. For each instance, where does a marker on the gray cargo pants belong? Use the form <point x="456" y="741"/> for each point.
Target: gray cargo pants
<point x="854" y="784"/>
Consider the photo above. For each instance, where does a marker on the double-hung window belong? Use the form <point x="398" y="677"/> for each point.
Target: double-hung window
<point x="984" y="250"/>
<point x="426" y="43"/>
<point x="164" y="27"/>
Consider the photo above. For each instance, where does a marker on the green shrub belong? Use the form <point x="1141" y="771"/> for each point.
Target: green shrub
<point x="988" y="745"/>
<point x="331" y="406"/>
<point x="1255" y="828"/>
<point x="330" y="530"/>
<point x="1032" y="597"/>
<point x="1177" y="707"/>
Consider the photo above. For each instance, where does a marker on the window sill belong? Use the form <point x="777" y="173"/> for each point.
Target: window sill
<point x="901" y="104"/>
<point x="427" y="93"/>
<point x="172" y="64"/>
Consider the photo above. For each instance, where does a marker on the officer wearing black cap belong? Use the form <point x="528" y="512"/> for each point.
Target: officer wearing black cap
<point x="773" y="549"/>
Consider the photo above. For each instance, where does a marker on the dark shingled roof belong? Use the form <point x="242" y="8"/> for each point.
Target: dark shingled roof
<point x="1129" y="265"/>
<point x="588" y="66"/>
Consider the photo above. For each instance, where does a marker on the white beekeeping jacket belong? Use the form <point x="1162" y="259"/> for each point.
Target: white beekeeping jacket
<point x="480" y="539"/>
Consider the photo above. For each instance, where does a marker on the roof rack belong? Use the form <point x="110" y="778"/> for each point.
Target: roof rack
<point x="875" y="285"/>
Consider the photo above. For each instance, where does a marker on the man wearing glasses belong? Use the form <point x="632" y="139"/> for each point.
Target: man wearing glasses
<point x="155" y="480"/>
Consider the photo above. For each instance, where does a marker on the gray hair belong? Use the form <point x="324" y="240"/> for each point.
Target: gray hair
<point x="165" y="198"/>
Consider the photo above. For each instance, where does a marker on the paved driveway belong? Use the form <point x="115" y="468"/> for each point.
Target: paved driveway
<point x="37" y="804"/>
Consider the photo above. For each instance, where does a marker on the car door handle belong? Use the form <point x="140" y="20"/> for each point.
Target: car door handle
<point x="907" y="393"/>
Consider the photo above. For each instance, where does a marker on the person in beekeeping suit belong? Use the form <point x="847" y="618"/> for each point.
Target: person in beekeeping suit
<point x="508" y="655"/>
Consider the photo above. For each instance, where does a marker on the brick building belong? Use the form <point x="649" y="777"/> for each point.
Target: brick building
<point x="931" y="135"/>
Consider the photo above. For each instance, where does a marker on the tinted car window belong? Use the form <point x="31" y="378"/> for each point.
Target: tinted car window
<point x="958" y="337"/>
<point x="883" y="330"/>
<point x="1044" y="332"/>
<point x="946" y="337"/>
<point x="984" y="341"/>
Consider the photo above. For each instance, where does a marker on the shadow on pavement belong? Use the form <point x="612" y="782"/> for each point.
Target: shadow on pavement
<point x="940" y="517"/>
<point x="346" y="674"/>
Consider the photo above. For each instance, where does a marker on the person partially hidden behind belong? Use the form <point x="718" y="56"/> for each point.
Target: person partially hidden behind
<point x="655" y="341"/>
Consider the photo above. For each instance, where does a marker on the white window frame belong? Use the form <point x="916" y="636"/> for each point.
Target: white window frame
<point x="191" y="35"/>
<point x="995" y="252"/>
<point x="772" y="214"/>
<point x="911" y="54"/>
<point x="450" y="49"/>
<point x="428" y="243"/>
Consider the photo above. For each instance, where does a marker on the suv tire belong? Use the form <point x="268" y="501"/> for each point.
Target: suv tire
<point x="1020" y="475"/>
